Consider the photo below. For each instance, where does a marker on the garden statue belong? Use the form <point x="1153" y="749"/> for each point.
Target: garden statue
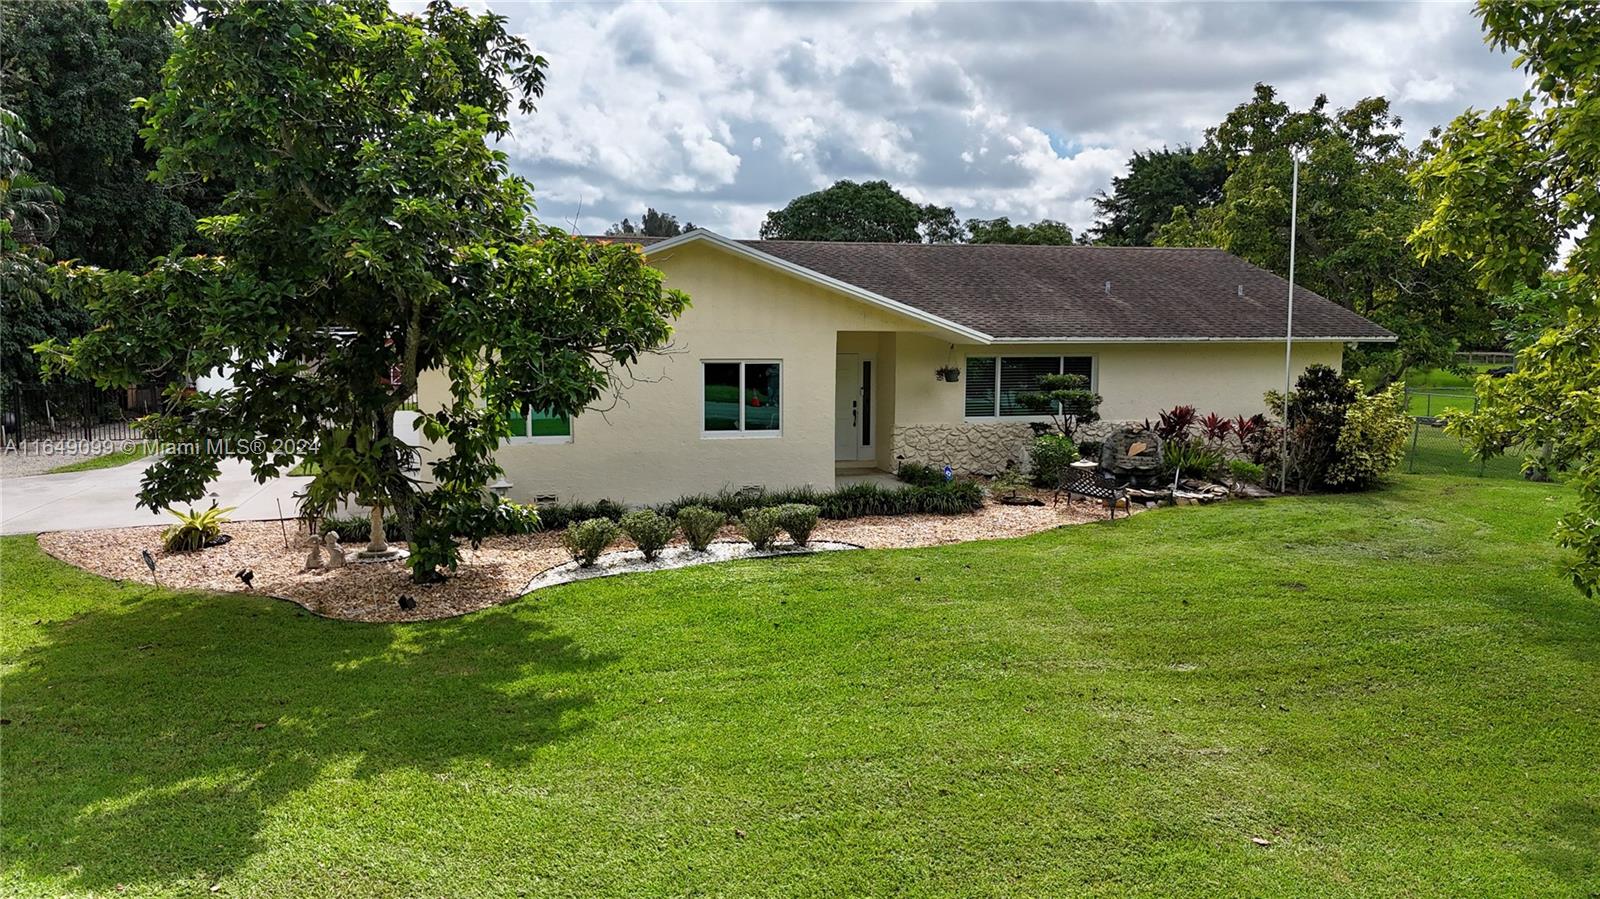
<point x="330" y="542"/>
<point x="314" y="558"/>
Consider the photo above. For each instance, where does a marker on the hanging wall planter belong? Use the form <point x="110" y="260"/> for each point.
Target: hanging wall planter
<point x="947" y="373"/>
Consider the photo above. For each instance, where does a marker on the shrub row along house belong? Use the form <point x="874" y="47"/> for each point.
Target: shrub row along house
<point x="799" y="361"/>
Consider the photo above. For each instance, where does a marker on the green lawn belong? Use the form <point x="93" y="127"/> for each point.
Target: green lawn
<point x="1397" y="691"/>
<point x="1441" y="390"/>
<point x="109" y="460"/>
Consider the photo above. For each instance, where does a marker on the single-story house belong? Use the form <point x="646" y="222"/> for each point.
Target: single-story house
<point x="802" y="361"/>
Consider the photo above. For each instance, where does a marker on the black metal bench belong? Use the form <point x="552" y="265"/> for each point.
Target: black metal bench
<point x="1091" y="483"/>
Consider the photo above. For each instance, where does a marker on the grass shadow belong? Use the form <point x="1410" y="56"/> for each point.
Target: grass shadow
<point x="149" y="739"/>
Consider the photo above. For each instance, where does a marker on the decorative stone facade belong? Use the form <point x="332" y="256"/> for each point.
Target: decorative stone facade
<point x="983" y="449"/>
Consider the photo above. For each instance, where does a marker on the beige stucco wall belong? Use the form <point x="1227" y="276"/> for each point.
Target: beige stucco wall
<point x="1136" y="381"/>
<point x="648" y="447"/>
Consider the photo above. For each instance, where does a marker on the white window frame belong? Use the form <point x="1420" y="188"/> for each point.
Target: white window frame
<point x="1094" y="382"/>
<point x="740" y="434"/>
<point x="530" y="440"/>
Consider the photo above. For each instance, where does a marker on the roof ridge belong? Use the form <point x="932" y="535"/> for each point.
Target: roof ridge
<point x="970" y="246"/>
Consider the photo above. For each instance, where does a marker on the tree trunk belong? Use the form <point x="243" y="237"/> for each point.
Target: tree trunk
<point x="376" y="542"/>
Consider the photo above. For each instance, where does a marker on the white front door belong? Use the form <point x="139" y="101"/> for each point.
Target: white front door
<point x="852" y="408"/>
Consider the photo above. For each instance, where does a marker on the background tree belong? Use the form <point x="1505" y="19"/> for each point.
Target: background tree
<point x="29" y="215"/>
<point x="1157" y="182"/>
<point x="873" y="211"/>
<point x="73" y="78"/>
<point x="372" y="235"/>
<point x="1504" y="191"/>
<point x="651" y="224"/>
<point x="1357" y="209"/>
<point x="1000" y="230"/>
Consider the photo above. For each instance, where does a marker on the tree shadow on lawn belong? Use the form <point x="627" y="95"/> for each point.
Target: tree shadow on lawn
<point x="150" y="742"/>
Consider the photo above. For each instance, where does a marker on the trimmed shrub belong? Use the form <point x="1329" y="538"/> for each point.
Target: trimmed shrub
<point x="733" y="502"/>
<point x="586" y="540"/>
<point x="920" y="475"/>
<point x="700" y="525"/>
<point x="1007" y="484"/>
<point x="1372" y="441"/>
<point x="559" y="516"/>
<point x="1246" y="472"/>
<point x="759" y="526"/>
<point x="1049" y="457"/>
<point x="649" y="531"/>
<point x="859" y="500"/>
<point x="798" y="520"/>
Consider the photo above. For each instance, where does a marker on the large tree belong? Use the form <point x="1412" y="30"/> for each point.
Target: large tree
<point x="29" y="216"/>
<point x="871" y="211"/>
<point x="73" y="78"/>
<point x="651" y="224"/>
<point x="1157" y="182"/>
<point x="1506" y="189"/>
<point x="1000" y="230"/>
<point x="371" y="235"/>
<point x="1356" y="211"/>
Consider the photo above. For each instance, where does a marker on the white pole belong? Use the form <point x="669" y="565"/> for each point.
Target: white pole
<point x="1288" y="334"/>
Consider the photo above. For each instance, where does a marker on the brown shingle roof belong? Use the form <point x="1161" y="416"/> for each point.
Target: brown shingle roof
<point x="1022" y="292"/>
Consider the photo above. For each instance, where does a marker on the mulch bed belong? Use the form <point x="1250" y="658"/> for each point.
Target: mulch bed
<point x="493" y="574"/>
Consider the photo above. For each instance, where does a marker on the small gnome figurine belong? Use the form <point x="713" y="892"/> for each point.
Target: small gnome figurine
<point x="314" y="558"/>
<point x="330" y="542"/>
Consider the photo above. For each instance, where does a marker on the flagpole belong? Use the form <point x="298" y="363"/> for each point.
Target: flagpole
<point x="1288" y="334"/>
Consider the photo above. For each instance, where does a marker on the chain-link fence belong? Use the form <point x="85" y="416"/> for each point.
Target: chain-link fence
<point x="1433" y="451"/>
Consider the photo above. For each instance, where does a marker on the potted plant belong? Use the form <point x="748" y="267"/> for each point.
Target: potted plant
<point x="947" y="373"/>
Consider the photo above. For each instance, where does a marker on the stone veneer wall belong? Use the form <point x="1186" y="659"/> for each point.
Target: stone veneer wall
<point x="977" y="448"/>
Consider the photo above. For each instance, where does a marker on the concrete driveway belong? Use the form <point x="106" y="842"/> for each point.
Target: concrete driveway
<point x="105" y="499"/>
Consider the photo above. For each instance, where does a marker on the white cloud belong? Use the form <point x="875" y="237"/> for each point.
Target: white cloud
<point x="719" y="112"/>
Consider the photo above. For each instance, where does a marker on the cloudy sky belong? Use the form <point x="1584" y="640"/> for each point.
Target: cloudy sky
<point x="718" y="112"/>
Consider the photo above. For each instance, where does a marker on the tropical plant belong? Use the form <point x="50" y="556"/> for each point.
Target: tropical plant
<point x="649" y="531"/>
<point x="586" y="540"/>
<point x="1049" y="457"/>
<point x="1216" y="428"/>
<point x="373" y="233"/>
<point x="700" y="525"/>
<point x="195" y="530"/>
<point x="862" y="500"/>
<point x="1175" y="423"/>
<point x="798" y="520"/>
<point x="1190" y="457"/>
<point x="1066" y="399"/>
<point x="1372" y="441"/>
<point x="759" y="526"/>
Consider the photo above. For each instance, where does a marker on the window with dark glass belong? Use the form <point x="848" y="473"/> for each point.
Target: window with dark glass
<point x="742" y="396"/>
<point x="994" y="383"/>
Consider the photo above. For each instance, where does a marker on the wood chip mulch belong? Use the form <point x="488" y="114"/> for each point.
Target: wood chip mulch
<point x="493" y="574"/>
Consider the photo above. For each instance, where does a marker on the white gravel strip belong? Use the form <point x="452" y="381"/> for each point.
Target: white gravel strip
<point x="630" y="561"/>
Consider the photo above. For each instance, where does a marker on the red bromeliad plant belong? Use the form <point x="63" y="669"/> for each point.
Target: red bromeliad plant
<point x="1176" y="423"/>
<point x="1215" y="427"/>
